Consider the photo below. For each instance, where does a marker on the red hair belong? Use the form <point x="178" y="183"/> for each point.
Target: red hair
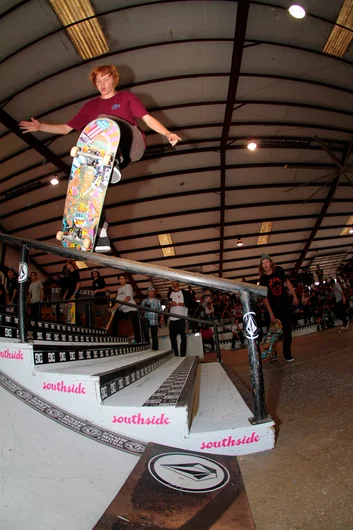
<point x="105" y="69"/>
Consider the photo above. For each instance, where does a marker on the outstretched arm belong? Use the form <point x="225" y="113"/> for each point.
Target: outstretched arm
<point x="269" y="309"/>
<point x="156" y="126"/>
<point x="35" y="126"/>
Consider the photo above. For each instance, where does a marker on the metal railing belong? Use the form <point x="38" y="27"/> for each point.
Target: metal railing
<point x="248" y="295"/>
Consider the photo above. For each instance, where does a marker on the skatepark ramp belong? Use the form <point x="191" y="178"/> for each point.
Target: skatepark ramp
<point x="128" y="390"/>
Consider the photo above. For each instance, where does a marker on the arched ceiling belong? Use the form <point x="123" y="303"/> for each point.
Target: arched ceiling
<point x="218" y="73"/>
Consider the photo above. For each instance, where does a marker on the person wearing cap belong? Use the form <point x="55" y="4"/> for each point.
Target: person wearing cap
<point x="277" y="302"/>
<point x="150" y="320"/>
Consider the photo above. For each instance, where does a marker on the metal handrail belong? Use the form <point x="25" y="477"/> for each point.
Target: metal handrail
<point x="153" y="271"/>
<point x="248" y="295"/>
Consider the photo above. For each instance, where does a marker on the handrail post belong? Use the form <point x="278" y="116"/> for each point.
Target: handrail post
<point x="142" y="338"/>
<point x="255" y="364"/>
<point x="22" y="298"/>
<point x="218" y="348"/>
<point x="89" y="313"/>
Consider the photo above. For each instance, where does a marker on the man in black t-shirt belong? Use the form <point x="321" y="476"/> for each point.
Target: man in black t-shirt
<point x="277" y="302"/>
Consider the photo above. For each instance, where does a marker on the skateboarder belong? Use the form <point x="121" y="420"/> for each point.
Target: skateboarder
<point x="277" y="302"/>
<point x="117" y="104"/>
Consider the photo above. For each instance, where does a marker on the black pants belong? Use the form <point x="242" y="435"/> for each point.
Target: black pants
<point x="154" y="333"/>
<point x="306" y="314"/>
<point x="205" y="342"/>
<point x="35" y="310"/>
<point x="340" y="312"/>
<point x="238" y="336"/>
<point x="132" y="143"/>
<point x="177" y="327"/>
<point x="133" y="316"/>
<point x="285" y="316"/>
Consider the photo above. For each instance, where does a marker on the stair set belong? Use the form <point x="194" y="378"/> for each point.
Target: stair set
<point x="152" y="396"/>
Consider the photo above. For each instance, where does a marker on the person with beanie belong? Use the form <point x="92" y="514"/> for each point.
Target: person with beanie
<point x="277" y="302"/>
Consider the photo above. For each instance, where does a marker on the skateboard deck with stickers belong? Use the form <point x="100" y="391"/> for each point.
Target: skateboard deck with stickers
<point x="274" y="334"/>
<point x="92" y="166"/>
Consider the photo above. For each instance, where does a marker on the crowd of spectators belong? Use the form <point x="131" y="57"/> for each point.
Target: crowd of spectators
<point x="321" y="300"/>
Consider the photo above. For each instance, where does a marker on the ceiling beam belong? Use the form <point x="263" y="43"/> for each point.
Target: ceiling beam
<point x="182" y="213"/>
<point x="32" y="141"/>
<point x="238" y="48"/>
<point x="328" y="201"/>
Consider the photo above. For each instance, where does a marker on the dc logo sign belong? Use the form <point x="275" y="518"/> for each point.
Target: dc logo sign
<point x="116" y="106"/>
<point x="250" y="326"/>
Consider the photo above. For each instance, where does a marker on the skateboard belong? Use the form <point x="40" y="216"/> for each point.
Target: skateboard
<point x="90" y="174"/>
<point x="275" y="332"/>
<point x="113" y="310"/>
<point x="71" y="313"/>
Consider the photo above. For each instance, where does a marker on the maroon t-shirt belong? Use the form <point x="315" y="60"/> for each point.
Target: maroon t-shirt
<point x="124" y="105"/>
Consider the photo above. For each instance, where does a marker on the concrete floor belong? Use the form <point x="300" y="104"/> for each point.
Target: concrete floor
<point x="306" y="482"/>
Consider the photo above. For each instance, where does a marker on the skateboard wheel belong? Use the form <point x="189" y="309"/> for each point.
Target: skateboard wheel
<point x="59" y="236"/>
<point x="106" y="160"/>
<point x="86" y="243"/>
<point x="74" y="151"/>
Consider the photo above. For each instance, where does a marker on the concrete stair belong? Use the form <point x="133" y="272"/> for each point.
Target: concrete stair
<point x="134" y="391"/>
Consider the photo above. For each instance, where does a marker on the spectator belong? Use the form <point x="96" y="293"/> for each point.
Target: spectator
<point x="178" y="303"/>
<point x="277" y="302"/>
<point x="319" y="274"/>
<point x="207" y="337"/>
<point x="35" y="295"/>
<point x="125" y="312"/>
<point x="150" y="320"/>
<point x="340" y="299"/>
<point x="73" y="282"/>
<point x="72" y="285"/>
<point x="99" y="292"/>
<point x="306" y="304"/>
<point x="209" y="311"/>
<point x="3" y="295"/>
<point x="12" y="288"/>
<point x="237" y="333"/>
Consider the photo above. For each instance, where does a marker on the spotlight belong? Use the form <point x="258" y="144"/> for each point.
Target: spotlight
<point x="351" y="230"/>
<point x="54" y="181"/>
<point x="239" y="243"/>
<point x="297" y="11"/>
<point x="252" y="146"/>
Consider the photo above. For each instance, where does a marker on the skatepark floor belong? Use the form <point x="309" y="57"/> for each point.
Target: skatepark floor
<point x="306" y="482"/>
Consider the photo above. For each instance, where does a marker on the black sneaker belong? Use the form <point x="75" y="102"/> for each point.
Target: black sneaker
<point x="103" y="243"/>
<point x="290" y="360"/>
<point x="274" y="359"/>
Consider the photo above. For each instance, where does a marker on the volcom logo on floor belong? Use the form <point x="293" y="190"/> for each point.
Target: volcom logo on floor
<point x="188" y="472"/>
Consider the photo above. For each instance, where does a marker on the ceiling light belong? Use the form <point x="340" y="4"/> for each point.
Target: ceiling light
<point x="347" y="229"/>
<point x="351" y="230"/>
<point x="340" y="37"/>
<point x="81" y="265"/>
<point x="165" y="240"/>
<point x="54" y="181"/>
<point x="265" y="228"/>
<point x="240" y="243"/>
<point x="252" y="146"/>
<point x="297" y="11"/>
<point x="87" y="37"/>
